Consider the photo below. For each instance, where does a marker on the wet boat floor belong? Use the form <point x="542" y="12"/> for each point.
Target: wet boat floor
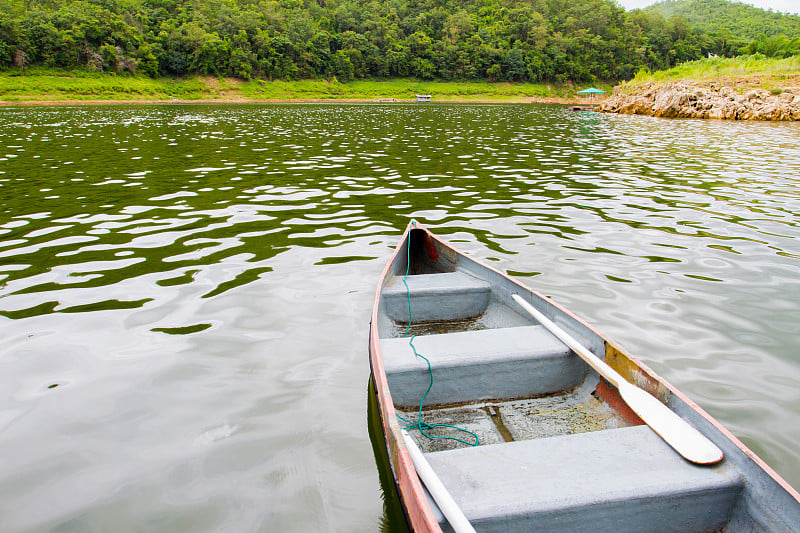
<point x="496" y="316"/>
<point x="506" y="421"/>
<point x="564" y="413"/>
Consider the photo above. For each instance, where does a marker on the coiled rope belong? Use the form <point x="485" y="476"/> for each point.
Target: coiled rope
<point x="420" y="424"/>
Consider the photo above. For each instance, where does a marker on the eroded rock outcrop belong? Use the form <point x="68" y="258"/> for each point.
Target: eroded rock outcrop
<point x="681" y="100"/>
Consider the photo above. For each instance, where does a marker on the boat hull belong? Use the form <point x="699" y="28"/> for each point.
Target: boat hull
<point x="763" y="501"/>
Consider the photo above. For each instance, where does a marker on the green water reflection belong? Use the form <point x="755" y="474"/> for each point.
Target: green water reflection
<point x="393" y="519"/>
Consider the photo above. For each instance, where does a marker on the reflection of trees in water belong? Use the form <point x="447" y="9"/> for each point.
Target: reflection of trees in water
<point x="393" y="519"/>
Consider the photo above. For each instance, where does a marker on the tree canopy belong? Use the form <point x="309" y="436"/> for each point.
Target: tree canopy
<point x="498" y="40"/>
<point x="742" y="21"/>
<point x="742" y="28"/>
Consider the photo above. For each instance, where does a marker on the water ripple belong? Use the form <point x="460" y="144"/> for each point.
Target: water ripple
<point x="197" y="274"/>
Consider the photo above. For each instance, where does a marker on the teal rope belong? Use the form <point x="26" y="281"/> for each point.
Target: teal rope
<point x="420" y="425"/>
<point x="408" y="266"/>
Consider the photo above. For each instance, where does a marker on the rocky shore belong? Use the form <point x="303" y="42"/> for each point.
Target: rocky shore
<point x="685" y="100"/>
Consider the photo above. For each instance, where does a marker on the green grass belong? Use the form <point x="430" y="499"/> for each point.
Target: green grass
<point x="50" y="85"/>
<point x="762" y="71"/>
<point x="55" y="85"/>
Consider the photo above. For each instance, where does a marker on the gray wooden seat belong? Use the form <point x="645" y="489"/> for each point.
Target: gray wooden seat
<point x="435" y="297"/>
<point x="477" y="365"/>
<point x="617" y="480"/>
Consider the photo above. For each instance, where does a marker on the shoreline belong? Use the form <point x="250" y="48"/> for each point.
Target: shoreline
<point x="709" y="100"/>
<point x="739" y="88"/>
<point x="50" y="87"/>
<point x="183" y="101"/>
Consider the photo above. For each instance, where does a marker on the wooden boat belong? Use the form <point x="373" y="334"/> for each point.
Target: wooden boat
<point x="560" y="448"/>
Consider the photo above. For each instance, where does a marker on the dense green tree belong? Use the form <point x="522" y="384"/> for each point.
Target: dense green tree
<point x="514" y="64"/>
<point x="514" y="40"/>
<point x="773" y="46"/>
<point x="743" y="22"/>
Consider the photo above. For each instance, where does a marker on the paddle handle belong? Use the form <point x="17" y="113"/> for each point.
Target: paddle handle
<point x="595" y="362"/>
<point x="684" y="438"/>
<point x="441" y="496"/>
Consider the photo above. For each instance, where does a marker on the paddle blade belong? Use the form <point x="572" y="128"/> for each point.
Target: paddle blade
<point x="685" y="439"/>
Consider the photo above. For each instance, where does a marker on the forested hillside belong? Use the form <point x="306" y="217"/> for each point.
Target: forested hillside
<point x="743" y="22"/>
<point x="514" y="40"/>
<point x="742" y="28"/>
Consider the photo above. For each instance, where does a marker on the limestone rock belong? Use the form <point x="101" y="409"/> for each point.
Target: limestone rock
<point x="680" y="100"/>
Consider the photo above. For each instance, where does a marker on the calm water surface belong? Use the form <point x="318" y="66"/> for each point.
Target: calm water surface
<point x="185" y="290"/>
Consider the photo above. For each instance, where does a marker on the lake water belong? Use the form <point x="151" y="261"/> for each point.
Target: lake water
<point x="185" y="290"/>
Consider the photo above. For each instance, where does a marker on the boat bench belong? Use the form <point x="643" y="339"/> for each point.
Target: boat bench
<point x="518" y="362"/>
<point x="617" y="480"/>
<point x="435" y="297"/>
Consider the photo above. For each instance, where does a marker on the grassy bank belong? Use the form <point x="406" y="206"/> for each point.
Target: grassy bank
<point x="38" y="85"/>
<point x="740" y="72"/>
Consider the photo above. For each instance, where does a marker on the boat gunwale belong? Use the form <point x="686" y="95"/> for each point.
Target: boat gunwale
<point x="420" y="515"/>
<point x="691" y="404"/>
<point x="412" y="489"/>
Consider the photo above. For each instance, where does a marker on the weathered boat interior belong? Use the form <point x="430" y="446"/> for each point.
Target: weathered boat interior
<point x="558" y="450"/>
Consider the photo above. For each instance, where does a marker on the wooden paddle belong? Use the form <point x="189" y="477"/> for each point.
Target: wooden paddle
<point x="683" y="438"/>
<point x="436" y="488"/>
